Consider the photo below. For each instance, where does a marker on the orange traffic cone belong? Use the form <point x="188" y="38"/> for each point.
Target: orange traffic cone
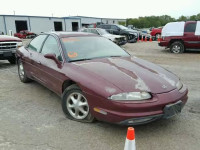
<point x="159" y="39"/>
<point x="138" y="39"/>
<point x="145" y="39"/>
<point x="130" y="139"/>
<point x="150" y="40"/>
<point x="142" y="39"/>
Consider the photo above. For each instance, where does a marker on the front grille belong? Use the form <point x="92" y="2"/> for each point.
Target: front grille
<point x="122" y="39"/>
<point x="8" y="45"/>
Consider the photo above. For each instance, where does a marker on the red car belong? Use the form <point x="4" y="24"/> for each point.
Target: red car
<point x="96" y="79"/>
<point x="156" y="33"/>
<point x="181" y="36"/>
<point x="24" y="34"/>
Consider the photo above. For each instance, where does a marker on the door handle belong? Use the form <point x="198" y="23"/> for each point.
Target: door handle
<point x="39" y="62"/>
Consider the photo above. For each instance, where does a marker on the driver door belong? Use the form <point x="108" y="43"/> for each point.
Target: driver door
<point x="115" y="30"/>
<point x="51" y="74"/>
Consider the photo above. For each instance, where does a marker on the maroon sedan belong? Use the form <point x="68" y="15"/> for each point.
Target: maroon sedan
<point x="96" y="79"/>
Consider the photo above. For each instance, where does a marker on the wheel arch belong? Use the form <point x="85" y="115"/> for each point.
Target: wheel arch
<point x="67" y="83"/>
<point x="175" y="40"/>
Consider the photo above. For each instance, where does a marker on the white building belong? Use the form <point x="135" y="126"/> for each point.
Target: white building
<point x="39" y="24"/>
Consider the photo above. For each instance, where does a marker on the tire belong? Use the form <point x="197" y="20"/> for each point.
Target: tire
<point x="177" y="47"/>
<point x="126" y="38"/>
<point x="12" y="60"/>
<point x="22" y="73"/>
<point x="157" y="36"/>
<point x="73" y="112"/>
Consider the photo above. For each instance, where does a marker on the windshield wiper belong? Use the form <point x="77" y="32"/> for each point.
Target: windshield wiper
<point x="114" y="56"/>
<point x="80" y="59"/>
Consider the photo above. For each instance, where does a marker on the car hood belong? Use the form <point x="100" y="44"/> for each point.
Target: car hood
<point x="4" y="38"/>
<point x="112" y="36"/>
<point x="130" y="30"/>
<point x="131" y="74"/>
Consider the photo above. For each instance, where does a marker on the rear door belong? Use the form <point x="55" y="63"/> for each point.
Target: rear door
<point x="108" y="28"/>
<point x="51" y="74"/>
<point x="31" y="60"/>
<point x="190" y="39"/>
<point x="115" y="30"/>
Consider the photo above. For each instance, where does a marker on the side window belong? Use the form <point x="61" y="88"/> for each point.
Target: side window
<point x="51" y="47"/>
<point x="94" y="31"/>
<point x="190" y="27"/>
<point x="36" y="43"/>
<point x="107" y="27"/>
<point x="89" y="30"/>
<point x="114" y="27"/>
<point x="85" y="30"/>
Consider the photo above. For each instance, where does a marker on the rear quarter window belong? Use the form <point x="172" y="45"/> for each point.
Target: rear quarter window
<point x="191" y="27"/>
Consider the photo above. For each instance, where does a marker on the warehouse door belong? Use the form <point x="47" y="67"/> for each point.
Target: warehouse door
<point x="58" y="26"/>
<point x="74" y="26"/>
<point x="21" y="25"/>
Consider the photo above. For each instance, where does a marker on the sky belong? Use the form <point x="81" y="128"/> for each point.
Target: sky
<point x="101" y="8"/>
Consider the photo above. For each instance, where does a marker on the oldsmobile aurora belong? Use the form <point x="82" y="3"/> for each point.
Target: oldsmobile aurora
<point x="96" y="79"/>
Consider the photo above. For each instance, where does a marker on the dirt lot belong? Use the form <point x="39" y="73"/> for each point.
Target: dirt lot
<point x="31" y="117"/>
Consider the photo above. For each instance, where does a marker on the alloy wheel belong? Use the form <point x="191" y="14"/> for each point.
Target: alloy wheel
<point x="77" y="105"/>
<point x="21" y="70"/>
<point x="176" y="49"/>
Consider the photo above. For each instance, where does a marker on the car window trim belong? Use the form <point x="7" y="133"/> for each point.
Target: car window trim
<point x="58" y="44"/>
<point x="41" y="45"/>
<point x="188" y="25"/>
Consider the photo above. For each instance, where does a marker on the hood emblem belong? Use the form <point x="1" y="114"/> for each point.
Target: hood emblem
<point x="164" y="86"/>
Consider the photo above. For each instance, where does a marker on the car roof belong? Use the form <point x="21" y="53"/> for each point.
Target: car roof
<point x="95" y="28"/>
<point x="71" y="34"/>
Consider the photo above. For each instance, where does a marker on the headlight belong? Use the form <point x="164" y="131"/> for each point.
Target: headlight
<point x="179" y="85"/>
<point x="19" y="44"/>
<point x="133" y="33"/>
<point x="135" y="96"/>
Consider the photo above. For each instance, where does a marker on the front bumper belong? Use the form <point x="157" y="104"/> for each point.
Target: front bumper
<point x="6" y="54"/>
<point x="130" y="113"/>
<point x="163" y="43"/>
<point x="121" y="43"/>
<point x="169" y="111"/>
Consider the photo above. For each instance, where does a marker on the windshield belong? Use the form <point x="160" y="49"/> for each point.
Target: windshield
<point x="122" y="27"/>
<point x="102" y="31"/>
<point x="83" y="48"/>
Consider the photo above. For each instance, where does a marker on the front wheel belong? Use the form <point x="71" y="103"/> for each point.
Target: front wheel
<point x="75" y="105"/>
<point x="22" y="73"/>
<point x="177" y="47"/>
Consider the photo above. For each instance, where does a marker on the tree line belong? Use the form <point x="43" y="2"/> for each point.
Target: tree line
<point x="158" y="21"/>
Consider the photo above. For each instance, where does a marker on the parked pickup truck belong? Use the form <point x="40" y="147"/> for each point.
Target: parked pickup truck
<point x="156" y="33"/>
<point x="181" y="36"/>
<point x="8" y="46"/>
<point x="24" y="34"/>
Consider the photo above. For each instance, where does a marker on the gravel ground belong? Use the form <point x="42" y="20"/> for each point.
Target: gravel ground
<point x="31" y="117"/>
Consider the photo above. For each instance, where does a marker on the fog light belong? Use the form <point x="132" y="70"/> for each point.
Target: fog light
<point x="135" y="121"/>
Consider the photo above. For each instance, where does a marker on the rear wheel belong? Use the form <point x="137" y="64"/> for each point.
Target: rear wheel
<point x="157" y="36"/>
<point x="12" y="60"/>
<point x="75" y="105"/>
<point x="177" y="47"/>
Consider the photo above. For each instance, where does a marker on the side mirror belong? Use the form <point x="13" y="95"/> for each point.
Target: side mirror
<point x="53" y="57"/>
